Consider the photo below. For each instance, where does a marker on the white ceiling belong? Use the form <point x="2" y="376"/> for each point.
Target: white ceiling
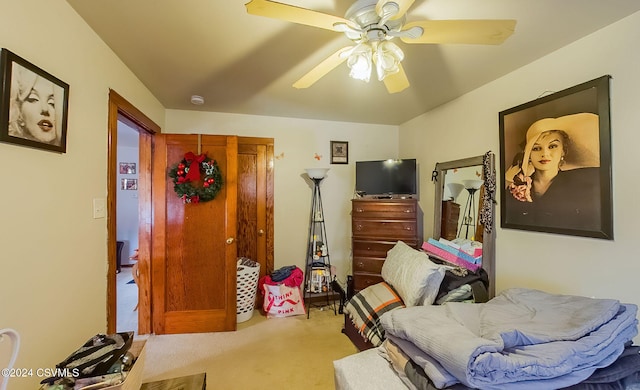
<point x="245" y="64"/>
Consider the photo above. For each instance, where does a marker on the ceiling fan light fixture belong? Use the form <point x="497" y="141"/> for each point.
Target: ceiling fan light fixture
<point x="360" y="61"/>
<point x="387" y="58"/>
<point x="370" y="25"/>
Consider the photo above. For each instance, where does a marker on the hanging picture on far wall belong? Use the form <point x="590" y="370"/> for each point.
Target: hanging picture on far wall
<point x="339" y="152"/>
<point x="127" y="168"/>
<point x="128" y="184"/>
<point x="556" y="163"/>
<point x="33" y="105"/>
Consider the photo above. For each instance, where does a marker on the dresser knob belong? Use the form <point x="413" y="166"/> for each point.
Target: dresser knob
<point x="407" y="211"/>
<point x="359" y="210"/>
<point x="360" y="264"/>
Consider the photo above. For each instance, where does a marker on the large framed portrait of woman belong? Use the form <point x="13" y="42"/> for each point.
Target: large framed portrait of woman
<point x="555" y="163"/>
<point x="33" y="105"/>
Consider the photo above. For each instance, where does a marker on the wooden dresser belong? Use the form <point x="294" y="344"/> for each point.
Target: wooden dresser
<point x="376" y="226"/>
<point x="450" y="217"/>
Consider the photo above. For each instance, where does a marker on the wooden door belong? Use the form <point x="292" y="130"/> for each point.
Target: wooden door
<point x="193" y="260"/>
<point x="255" y="201"/>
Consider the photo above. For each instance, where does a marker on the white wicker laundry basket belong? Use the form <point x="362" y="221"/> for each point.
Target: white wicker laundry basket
<point x="246" y="290"/>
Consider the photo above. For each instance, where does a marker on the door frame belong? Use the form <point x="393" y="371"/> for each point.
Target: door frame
<point x="121" y="109"/>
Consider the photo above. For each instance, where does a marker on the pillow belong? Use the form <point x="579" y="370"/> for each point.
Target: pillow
<point x="416" y="278"/>
<point x="367" y="306"/>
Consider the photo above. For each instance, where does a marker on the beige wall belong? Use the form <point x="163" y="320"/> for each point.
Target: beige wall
<point x="296" y="142"/>
<point x="53" y="254"/>
<point x="556" y="263"/>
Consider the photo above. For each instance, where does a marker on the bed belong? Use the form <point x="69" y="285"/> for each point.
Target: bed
<point x="521" y="339"/>
<point x="419" y="331"/>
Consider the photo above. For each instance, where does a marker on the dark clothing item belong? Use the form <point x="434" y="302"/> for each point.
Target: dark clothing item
<point x="572" y="201"/>
<point x="282" y="273"/>
<point x="290" y="276"/>
<point x="458" y="276"/>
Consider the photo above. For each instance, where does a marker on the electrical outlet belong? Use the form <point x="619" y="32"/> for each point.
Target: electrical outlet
<point x="99" y="208"/>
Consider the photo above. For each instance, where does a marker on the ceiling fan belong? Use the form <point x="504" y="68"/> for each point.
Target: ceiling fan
<point x="372" y="25"/>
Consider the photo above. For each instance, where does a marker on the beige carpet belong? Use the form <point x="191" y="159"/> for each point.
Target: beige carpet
<point x="292" y="352"/>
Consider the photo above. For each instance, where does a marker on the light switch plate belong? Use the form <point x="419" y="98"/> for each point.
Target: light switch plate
<point x="99" y="208"/>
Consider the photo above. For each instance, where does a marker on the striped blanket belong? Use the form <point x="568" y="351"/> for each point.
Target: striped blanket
<point x="367" y="306"/>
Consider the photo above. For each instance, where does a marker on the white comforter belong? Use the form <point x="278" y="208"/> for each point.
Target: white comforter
<point x="522" y="339"/>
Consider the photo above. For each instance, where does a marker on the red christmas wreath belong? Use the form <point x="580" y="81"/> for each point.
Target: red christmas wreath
<point x="196" y="178"/>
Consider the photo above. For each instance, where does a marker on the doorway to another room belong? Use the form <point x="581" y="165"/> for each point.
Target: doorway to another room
<point x="127" y="222"/>
<point x="253" y="191"/>
<point x="129" y="194"/>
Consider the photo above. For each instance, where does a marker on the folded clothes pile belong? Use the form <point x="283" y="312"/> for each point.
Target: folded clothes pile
<point x="290" y="276"/>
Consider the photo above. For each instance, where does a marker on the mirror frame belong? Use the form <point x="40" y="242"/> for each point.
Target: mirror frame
<point x="488" y="238"/>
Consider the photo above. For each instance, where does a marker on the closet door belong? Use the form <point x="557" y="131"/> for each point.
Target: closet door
<point x="193" y="259"/>
<point x="255" y="201"/>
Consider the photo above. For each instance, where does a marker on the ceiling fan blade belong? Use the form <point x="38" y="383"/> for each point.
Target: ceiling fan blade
<point x="403" y="6"/>
<point x="291" y="13"/>
<point x="322" y="68"/>
<point x="480" y="32"/>
<point x="396" y="82"/>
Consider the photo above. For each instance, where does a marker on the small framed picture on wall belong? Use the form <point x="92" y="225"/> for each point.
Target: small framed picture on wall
<point x="127" y="168"/>
<point x="339" y="152"/>
<point x="129" y="184"/>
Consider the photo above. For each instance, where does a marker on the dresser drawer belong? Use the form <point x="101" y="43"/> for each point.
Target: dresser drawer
<point x="364" y="280"/>
<point x="390" y="210"/>
<point x="368" y="264"/>
<point x="384" y="228"/>
<point x="366" y="248"/>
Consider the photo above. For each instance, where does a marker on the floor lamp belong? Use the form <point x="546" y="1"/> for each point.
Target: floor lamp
<point x="468" y="217"/>
<point x="454" y="190"/>
<point x="318" y="251"/>
<point x="317" y="175"/>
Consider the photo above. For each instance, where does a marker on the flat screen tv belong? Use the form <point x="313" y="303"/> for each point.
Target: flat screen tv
<point x="386" y="178"/>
